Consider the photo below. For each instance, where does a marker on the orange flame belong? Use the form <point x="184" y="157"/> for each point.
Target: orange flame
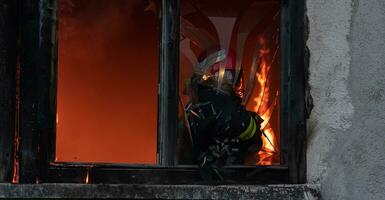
<point x="261" y="105"/>
<point x="261" y="82"/>
<point x="267" y="115"/>
<point x="269" y="140"/>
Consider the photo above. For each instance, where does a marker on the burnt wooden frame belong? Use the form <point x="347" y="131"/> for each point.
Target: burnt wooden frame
<point x="8" y="63"/>
<point x="38" y="72"/>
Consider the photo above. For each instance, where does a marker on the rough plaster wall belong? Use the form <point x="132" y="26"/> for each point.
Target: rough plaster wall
<point x="346" y="130"/>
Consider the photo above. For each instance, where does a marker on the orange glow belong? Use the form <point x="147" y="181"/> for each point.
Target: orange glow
<point x="15" y="175"/>
<point x="107" y="81"/>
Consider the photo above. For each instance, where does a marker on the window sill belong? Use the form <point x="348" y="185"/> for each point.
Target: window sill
<point x="276" y="192"/>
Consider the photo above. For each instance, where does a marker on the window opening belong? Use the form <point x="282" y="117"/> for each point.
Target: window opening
<point x="108" y="54"/>
<point x="229" y="87"/>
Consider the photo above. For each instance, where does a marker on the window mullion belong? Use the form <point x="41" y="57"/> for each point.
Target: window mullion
<point x="168" y="82"/>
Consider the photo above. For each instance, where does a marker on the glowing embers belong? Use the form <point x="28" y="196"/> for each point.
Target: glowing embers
<point x="230" y="62"/>
<point x="87" y="179"/>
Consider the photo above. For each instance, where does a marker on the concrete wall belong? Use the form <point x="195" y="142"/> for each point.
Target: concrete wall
<point x="346" y="130"/>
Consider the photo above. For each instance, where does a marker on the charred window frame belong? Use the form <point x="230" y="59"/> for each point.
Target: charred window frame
<point x="37" y="111"/>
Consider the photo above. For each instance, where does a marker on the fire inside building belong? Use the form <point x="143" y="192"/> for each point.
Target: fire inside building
<point x="229" y="82"/>
<point x="192" y="99"/>
<point x="151" y="92"/>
